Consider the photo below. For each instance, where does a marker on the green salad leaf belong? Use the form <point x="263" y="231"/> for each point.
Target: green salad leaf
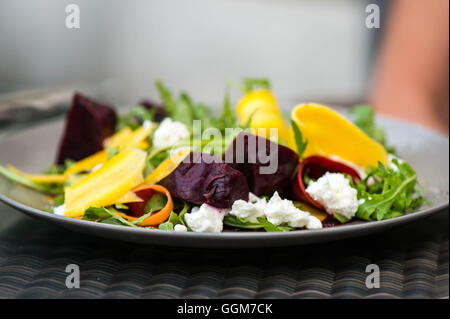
<point x="183" y="109"/>
<point x="300" y="143"/>
<point x="364" y="118"/>
<point x="388" y="192"/>
<point x="250" y="84"/>
<point x="53" y="189"/>
<point x="103" y="215"/>
<point x="135" y="117"/>
<point x="238" y="222"/>
<point x="142" y="218"/>
<point x="269" y="227"/>
<point x="156" y="202"/>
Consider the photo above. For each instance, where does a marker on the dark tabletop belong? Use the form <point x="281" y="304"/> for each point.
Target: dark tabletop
<point x="413" y="262"/>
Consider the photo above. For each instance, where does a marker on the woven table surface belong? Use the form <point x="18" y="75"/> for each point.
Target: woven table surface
<point x="413" y="262"/>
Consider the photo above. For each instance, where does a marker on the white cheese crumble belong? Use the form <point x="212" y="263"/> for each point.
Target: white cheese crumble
<point x="180" y="228"/>
<point x="334" y="192"/>
<point x="250" y="210"/>
<point x="277" y="211"/>
<point x="169" y="132"/>
<point x="283" y="212"/>
<point x="391" y="164"/>
<point x="359" y="169"/>
<point x="59" y="210"/>
<point x="205" y="218"/>
<point x="147" y="124"/>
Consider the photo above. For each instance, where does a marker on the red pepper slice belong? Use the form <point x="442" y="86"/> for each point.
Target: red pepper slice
<point x="316" y="166"/>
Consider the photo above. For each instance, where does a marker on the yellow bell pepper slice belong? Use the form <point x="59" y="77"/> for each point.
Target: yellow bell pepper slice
<point x="118" y="138"/>
<point x="129" y="197"/>
<point x="123" y="138"/>
<point x="40" y="178"/>
<point x="87" y="163"/>
<point x="167" y="166"/>
<point x="262" y="106"/>
<point x="312" y="210"/>
<point x="106" y="185"/>
<point x="329" y="133"/>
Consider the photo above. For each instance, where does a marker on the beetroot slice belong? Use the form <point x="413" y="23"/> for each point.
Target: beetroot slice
<point x="204" y="178"/>
<point x="244" y="155"/>
<point x="316" y="166"/>
<point x="88" y="123"/>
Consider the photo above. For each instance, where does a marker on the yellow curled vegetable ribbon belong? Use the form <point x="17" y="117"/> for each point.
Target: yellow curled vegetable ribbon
<point x="330" y="134"/>
<point x="261" y="108"/>
<point x="107" y="185"/>
<point x="124" y="138"/>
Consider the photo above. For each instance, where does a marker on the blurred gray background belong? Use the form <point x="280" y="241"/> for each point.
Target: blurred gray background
<point x="312" y="50"/>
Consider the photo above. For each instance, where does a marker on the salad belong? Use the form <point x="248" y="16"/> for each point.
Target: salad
<point x="173" y="166"/>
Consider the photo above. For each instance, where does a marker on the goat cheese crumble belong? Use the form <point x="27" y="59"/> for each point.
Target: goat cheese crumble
<point x="60" y="210"/>
<point x="334" y="192"/>
<point x="180" y="228"/>
<point x="250" y="210"/>
<point x="359" y="169"/>
<point x="277" y="211"/>
<point x="280" y="211"/>
<point x="391" y="164"/>
<point x="169" y="132"/>
<point x="205" y="218"/>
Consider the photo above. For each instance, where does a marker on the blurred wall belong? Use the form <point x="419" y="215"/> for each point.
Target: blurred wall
<point x="311" y="50"/>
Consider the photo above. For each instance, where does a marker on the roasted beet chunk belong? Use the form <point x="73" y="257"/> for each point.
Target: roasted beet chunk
<point x="204" y="178"/>
<point x="88" y="123"/>
<point x="268" y="166"/>
<point x="160" y="112"/>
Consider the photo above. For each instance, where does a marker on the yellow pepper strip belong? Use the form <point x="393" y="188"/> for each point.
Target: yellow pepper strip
<point x="129" y="197"/>
<point x="263" y="107"/>
<point x="123" y="138"/>
<point x="328" y="133"/>
<point x="87" y="163"/>
<point x="106" y="185"/>
<point x="39" y="178"/>
<point x="167" y="166"/>
<point x="118" y="138"/>
<point x="312" y="210"/>
<point x="137" y="137"/>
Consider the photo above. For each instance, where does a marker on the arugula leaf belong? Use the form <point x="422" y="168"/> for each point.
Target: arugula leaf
<point x="364" y="118"/>
<point x="183" y="111"/>
<point x="59" y="200"/>
<point x="53" y="189"/>
<point x="237" y="222"/>
<point x="166" y="226"/>
<point x="120" y="206"/>
<point x="392" y="192"/>
<point x="166" y="97"/>
<point x="182" y="213"/>
<point x="55" y="169"/>
<point x="251" y="83"/>
<point x="135" y="117"/>
<point x="227" y="119"/>
<point x="301" y="144"/>
<point x="269" y="227"/>
<point x="142" y="218"/>
<point x="156" y="203"/>
<point x="96" y="213"/>
<point x="341" y="218"/>
<point x="103" y="215"/>
<point x="112" y="151"/>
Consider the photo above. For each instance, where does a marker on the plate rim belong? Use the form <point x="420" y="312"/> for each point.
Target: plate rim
<point x="241" y="235"/>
